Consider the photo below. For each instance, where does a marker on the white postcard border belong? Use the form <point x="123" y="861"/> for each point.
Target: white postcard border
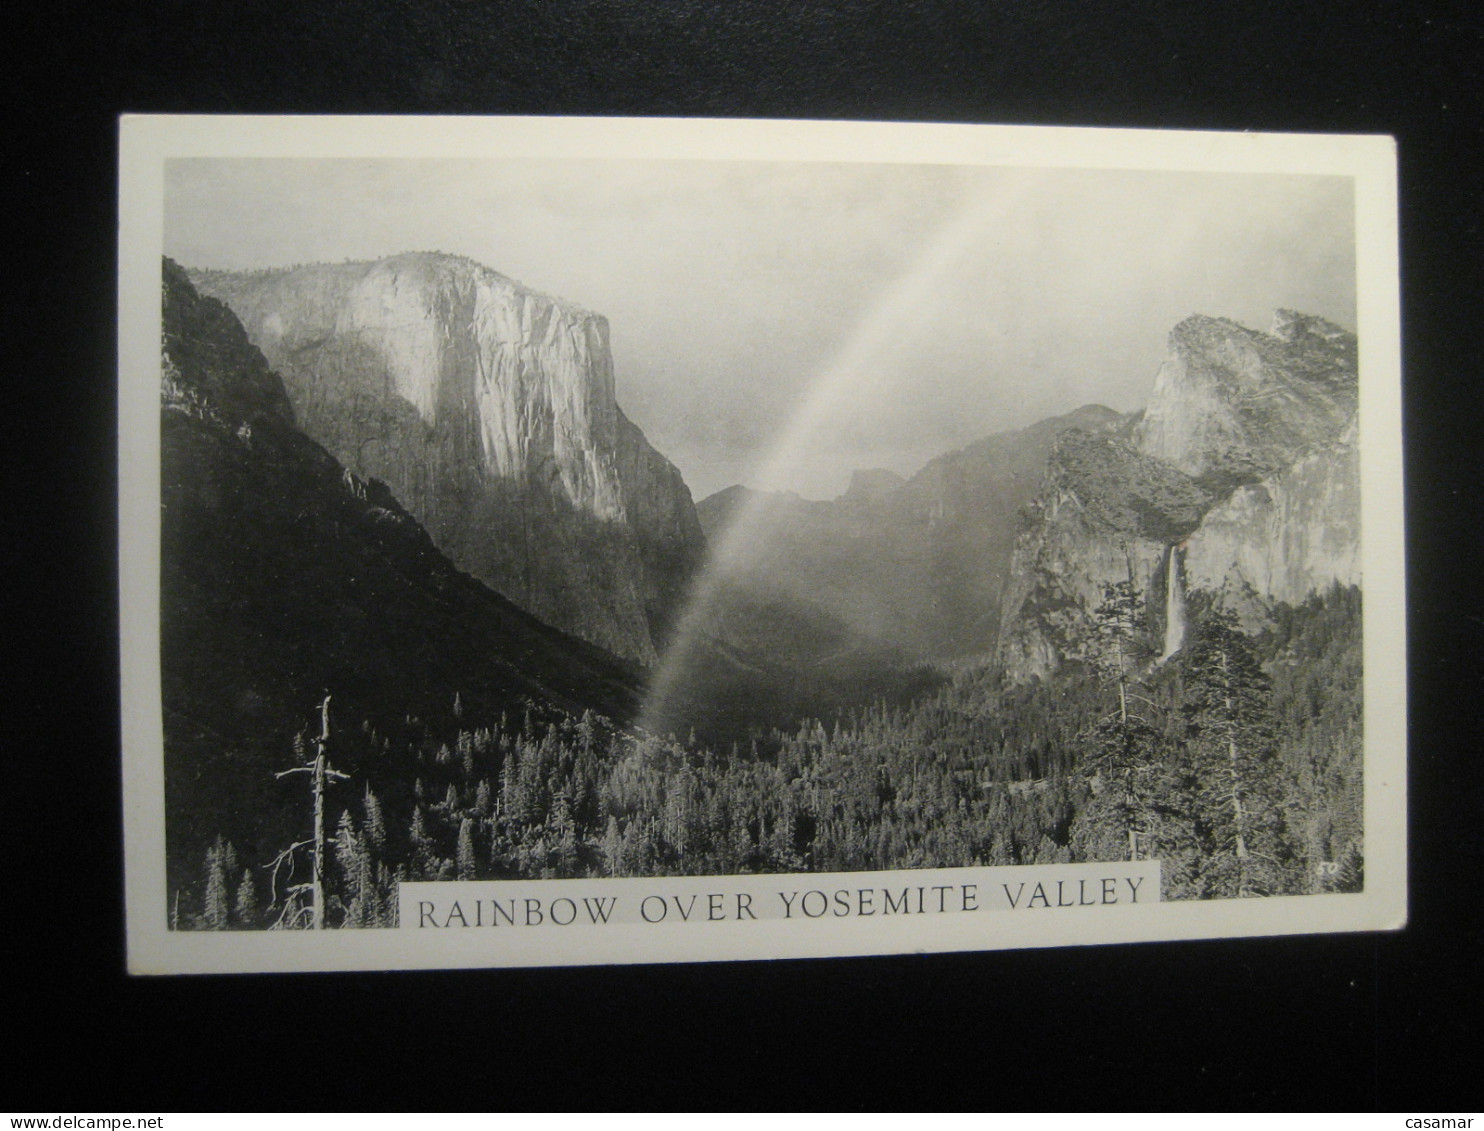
<point x="146" y="142"/>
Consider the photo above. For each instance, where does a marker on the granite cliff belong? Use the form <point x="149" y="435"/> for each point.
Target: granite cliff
<point x="1232" y="406"/>
<point x="489" y="410"/>
<point x="285" y="576"/>
<point x="1240" y="478"/>
<point x="916" y="565"/>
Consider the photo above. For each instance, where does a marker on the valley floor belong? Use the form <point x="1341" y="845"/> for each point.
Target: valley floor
<point x="1237" y="763"/>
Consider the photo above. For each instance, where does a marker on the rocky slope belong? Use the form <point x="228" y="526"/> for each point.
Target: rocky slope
<point x="827" y="605"/>
<point x="285" y="576"/>
<point x="1105" y="513"/>
<point x="915" y="565"/>
<point x="490" y="412"/>
<point x="1241" y="477"/>
<point x="1232" y="405"/>
<point x="1289" y="535"/>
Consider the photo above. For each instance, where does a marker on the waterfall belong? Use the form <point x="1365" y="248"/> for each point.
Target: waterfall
<point x="1174" y="606"/>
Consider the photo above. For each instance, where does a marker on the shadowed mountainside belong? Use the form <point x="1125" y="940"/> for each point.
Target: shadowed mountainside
<point x="284" y="577"/>
<point x="490" y="411"/>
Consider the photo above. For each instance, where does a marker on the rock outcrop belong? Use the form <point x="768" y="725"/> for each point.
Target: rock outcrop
<point x="1241" y="477"/>
<point x="1105" y="513"/>
<point x="285" y="576"/>
<point x="917" y="565"/>
<point x="1289" y="535"/>
<point x="1232" y="406"/>
<point x="490" y="412"/>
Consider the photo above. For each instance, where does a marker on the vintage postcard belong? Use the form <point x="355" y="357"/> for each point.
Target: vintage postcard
<point x="561" y="541"/>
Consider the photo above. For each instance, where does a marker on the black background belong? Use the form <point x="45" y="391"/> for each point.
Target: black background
<point x="1330" y="1022"/>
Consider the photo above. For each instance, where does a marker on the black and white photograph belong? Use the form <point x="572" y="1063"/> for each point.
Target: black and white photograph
<point x="642" y="542"/>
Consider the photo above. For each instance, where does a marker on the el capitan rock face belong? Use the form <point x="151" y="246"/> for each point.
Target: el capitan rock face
<point x="489" y="410"/>
<point x="1241" y="478"/>
<point x="285" y="577"/>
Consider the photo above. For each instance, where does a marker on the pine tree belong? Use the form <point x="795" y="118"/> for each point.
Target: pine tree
<point x="215" y="910"/>
<point x="1119" y="762"/>
<point x="245" y="909"/>
<point x="375" y="823"/>
<point x="613" y="848"/>
<point x="1232" y="778"/>
<point x="392" y="910"/>
<point x="739" y="842"/>
<point x="1350" y="875"/>
<point x="466" y="752"/>
<point x="424" y="860"/>
<point x="350" y="864"/>
<point x="587" y="734"/>
<point x="466" y="863"/>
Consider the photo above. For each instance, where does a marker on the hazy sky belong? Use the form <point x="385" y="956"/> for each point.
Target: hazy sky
<point x="780" y="324"/>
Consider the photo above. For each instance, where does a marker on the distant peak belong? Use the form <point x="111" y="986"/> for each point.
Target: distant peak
<point x="1091" y="414"/>
<point x="1291" y="325"/>
<point x="736" y="493"/>
<point x="1200" y="330"/>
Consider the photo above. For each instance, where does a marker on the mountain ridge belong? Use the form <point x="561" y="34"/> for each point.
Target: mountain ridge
<point x="490" y="410"/>
<point x="916" y="562"/>
<point x="285" y="577"/>
<point x="1241" y="477"/>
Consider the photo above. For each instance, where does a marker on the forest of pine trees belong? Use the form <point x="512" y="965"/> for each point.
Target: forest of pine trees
<point x="1236" y="763"/>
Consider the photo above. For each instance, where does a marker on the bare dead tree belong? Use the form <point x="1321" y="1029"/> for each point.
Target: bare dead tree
<point x="320" y="775"/>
